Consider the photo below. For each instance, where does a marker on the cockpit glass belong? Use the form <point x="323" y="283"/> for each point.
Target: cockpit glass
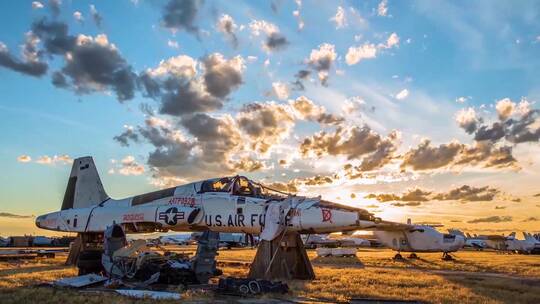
<point x="448" y="238"/>
<point x="220" y="185"/>
<point x="243" y="187"/>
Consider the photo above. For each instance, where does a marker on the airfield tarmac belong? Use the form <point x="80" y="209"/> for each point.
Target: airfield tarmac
<point x="475" y="277"/>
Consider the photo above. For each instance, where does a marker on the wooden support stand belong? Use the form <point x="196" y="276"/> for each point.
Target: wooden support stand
<point x="75" y="249"/>
<point x="282" y="258"/>
<point x="84" y="241"/>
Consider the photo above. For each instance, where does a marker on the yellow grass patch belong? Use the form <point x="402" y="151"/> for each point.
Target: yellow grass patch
<point x="476" y="277"/>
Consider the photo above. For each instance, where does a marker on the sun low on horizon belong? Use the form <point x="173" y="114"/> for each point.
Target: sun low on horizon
<point x="422" y="110"/>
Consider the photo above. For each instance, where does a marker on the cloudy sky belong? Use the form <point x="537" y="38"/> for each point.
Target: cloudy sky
<point x="411" y="109"/>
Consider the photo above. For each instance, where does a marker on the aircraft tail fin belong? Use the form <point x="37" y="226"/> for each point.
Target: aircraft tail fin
<point x="84" y="186"/>
<point x="528" y="236"/>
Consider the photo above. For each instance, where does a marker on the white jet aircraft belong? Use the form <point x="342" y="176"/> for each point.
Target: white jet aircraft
<point x="419" y="238"/>
<point x="229" y="204"/>
<point x="527" y="245"/>
<point x="470" y="241"/>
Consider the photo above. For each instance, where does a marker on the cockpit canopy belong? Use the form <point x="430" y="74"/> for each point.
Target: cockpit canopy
<point x="240" y="185"/>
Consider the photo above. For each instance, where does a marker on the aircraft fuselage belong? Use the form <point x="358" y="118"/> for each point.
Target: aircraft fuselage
<point x="191" y="207"/>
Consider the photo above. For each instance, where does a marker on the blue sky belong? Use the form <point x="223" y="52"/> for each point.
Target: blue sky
<point x="449" y="56"/>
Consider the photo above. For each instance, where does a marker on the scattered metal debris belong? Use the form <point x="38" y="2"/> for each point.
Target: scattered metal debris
<point x="244" y="287"/>
<point x="135" y="263"/>
<point x="80" y="281"/>
<point x="149" y="294"/>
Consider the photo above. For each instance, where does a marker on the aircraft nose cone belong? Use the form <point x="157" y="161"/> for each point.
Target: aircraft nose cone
<point x="38" y="221"/>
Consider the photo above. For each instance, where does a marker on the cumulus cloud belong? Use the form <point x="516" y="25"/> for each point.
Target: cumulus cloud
<point x="30" y="63"/>
<point x="53" y="160"/>
<point x="369" y="50"/>
<point x="392" y="41"/>
<point x="354" y="143"/>
<point x="356" y="54"/>
<point x="221" y="76"/>
<point x="462" y="99"/>
<point x="14" y="216"/>
<point x="316" y="180"/>
<point x="491" y="219"/>
<point x="468" y="193"/>
<point x="274" y="40"/>
<point x="411" y="195"/>
<point x="247" y="164"/>
<point x="322" y="59"/>
<point x="464" y="193"/>
<point x="300" y="77"/>
<point x="505" y="107"/>
<point x="265" y="124"/>
<point x="24" y="158"/>
<point x="290" y="187"/>
<point x="340" y="19"/>
<point x="280" y="90"/>
<point x="95" y="15"/>
<point x="91" y="63"/>
<point x="299" y="19"/>
<point x="227" y="26"/>
<point x="181" y="66"/>
<point x="408" y="204"/>
<point x="402" y="94"/>
<point x="182" y="90"/>
<point x="518" y="123"/>
<point x="37" y="5"/>
<point x="128" y="166"/>
<point x="487" y="155"/>
<point x="457" y="155"/>
<point x="128" y="134"/>
<point x="173" y="44"/>
<point x="175" y="158"/>
<point x="78" y="16"/>
<point x="181" y="15"/>
<point x="306" y="109"/>
<point x="382" y="8"/>
<point x="94" y="64"/>
<point x="466" y="119"/>
<point x="214" y="145"/>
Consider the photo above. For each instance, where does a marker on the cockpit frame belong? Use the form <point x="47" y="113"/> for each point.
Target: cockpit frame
<point x="242" y="186"/>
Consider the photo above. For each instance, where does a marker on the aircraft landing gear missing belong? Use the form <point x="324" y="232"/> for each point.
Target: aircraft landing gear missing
<point x="447" y="257"/>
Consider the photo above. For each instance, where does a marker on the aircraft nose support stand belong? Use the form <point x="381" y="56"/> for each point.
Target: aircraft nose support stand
<point x="204" y="263"/>
<point x="280" y="254"/>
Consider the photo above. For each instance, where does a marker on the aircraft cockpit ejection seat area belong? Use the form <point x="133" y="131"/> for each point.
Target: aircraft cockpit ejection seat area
<point x="241" y="186"/>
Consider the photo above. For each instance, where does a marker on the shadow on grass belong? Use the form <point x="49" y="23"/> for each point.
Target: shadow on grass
<point x="498" y="289"/>
<point x="25" y="270"/>
<point x="349" y="261"/>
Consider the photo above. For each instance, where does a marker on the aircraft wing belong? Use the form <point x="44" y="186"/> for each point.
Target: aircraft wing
<point x="391" y="226"/>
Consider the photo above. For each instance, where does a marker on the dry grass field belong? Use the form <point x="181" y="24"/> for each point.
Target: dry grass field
<point x="475" y="277"/>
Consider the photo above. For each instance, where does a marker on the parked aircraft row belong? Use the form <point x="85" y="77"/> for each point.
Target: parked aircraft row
<point x="510" y="243"/>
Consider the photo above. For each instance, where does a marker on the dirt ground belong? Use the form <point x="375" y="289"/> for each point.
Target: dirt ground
<point x="474" y="277"/>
